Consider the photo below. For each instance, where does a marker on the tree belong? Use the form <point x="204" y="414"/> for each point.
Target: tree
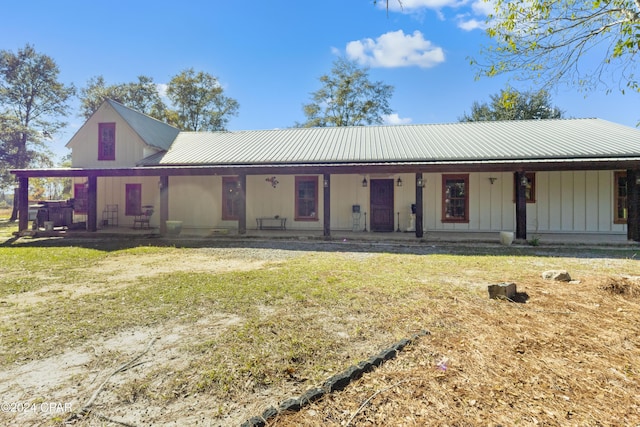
<point x="510" y="104"/>
<point x="142" y="96"/>
<point x="32" y="101"/>
<point x="348" y="98"/>
<point x="575" y="42"/>
<point x="200" y="102"/>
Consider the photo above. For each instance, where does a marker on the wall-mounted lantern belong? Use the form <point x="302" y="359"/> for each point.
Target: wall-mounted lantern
<point x="364" y="182"/>
<point x="492" y="179"/>
<point x="419" y="182"/>
<point x="399" y="182"/>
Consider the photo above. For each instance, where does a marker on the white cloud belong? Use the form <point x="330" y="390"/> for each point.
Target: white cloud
<point x="410" y="6"/>
<point x="483" y="7"/>
<point x="396" y="49"/>
<point x="394" y="119"/>
<point x="162" y="89"/>
<point x="470" y="24"/>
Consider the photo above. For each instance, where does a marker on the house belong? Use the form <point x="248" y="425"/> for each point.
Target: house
<point x="558" y="176"/>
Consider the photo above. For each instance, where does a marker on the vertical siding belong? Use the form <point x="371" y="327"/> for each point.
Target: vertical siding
<point x="580" y="201"/>
<point x="542" y="207"/>
<point x="129" y="146"/>
<point x="195" y="200"/>
<point x="346" y="191"/>
<point x="605" y="210"/>
<point x="566" y="201"/>
<point x="592" y="201"/>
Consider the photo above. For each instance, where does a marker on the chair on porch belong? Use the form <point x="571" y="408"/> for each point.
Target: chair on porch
<point x="142" y="218"/>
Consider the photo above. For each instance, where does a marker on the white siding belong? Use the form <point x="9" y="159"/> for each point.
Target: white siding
<point x="129" y="146"/>
<point x="580" y="201"/>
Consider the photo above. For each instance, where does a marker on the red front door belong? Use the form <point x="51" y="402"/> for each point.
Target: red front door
<point x="381" y="205"/>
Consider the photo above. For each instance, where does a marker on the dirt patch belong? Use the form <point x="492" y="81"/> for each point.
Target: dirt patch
<point x="569" y="355"/>
<point x="125" y="269"/>
<point x="70" y="379"/>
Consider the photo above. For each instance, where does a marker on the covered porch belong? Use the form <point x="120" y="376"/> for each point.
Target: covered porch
<point x="163" y="176"/>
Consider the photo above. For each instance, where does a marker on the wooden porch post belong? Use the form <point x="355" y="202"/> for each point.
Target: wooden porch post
<point x="23" y="203"/>
<point x="326" y="182"/>
<point x="242" y="207"/>
<point x="92" y="203"/>
<point x="419" y="213"/>
<point x="521" y="206"/>
<point x="164" y="203"/>
<point x="633" y="205"/>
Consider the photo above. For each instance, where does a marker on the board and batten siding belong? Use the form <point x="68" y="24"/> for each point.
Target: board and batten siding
<point x="566" y="201"/>
<point x="569" y="201"/>
<point x="130" y="148"/>
<point x="111" y="191"/>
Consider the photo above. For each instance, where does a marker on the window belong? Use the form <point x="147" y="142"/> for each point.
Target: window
<point x="230" y="198"/>
<point x="133" y="194"/>
<point x="80" y="198"/>
<point x="620" y="201"/>
<point x="306" y="198"/>
<point x="106" y="141"/>
<point x="530" y="189"/>
<point x="455" y="198"/>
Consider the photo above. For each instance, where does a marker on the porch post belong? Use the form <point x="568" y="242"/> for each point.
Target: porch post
<point x="326" y="182"/>
<point x="521" y="206"/>
<point x="242" y="206"/>
<point x="92" y="203"/>
<point x="419" y="231"/>
<point x="164" y="203"/>
<point x="633" y="205"/>
<point x="23" y="203"/>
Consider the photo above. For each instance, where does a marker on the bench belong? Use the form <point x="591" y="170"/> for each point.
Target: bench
<point x="271" y="223"/>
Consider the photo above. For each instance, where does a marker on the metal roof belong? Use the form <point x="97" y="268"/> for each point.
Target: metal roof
<point x="464" y="142"/>
<point x="153" y="132"/>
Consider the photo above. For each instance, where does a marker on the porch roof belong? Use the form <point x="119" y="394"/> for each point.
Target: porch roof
<point x="501" y="141"/>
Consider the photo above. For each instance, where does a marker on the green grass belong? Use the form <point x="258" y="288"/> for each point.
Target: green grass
<point x="300" y="319"/>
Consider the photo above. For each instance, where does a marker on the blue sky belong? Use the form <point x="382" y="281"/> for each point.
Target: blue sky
<point x="268" y="55"/>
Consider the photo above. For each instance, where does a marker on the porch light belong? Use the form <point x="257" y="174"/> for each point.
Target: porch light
<point x="492" y="179"/>
<point x="419" y="183"/>
<point x="524" y="181"/>
<point x="399" y="182"/>
<point x="326" y="183"/>
<point x="364" y="182"/>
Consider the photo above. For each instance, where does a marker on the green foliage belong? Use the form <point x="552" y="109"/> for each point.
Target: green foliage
<point x="142" y="96"/>
<point x="553" y="41"/>
<point x="510" y="104"/>
<point x="348" y="98"/>
<point x="200" y="102"/>
<point x="32" y="102"/>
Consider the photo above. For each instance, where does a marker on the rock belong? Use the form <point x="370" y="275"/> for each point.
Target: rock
<point x="557" y="275"/>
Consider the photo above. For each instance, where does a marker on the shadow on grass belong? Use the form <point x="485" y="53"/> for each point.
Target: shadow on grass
<point x="520" y="297"/>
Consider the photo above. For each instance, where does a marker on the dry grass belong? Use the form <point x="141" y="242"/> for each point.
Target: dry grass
<point x="570" y="356"/>
<point x="246" y="328"/>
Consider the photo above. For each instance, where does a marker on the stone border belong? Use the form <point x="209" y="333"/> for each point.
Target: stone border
<point x="335" y="383"/>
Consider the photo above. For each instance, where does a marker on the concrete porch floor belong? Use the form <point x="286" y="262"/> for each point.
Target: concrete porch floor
<point x="543" y="239"/>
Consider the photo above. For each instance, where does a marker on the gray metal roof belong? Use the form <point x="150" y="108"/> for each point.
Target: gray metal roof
<point x="153" y="132"/>
<point x="464" y="142"/>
